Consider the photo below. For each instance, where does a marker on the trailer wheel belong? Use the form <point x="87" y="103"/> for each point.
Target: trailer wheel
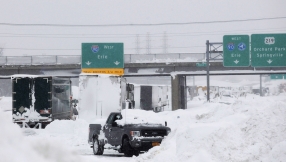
<point x="97" y="148"/>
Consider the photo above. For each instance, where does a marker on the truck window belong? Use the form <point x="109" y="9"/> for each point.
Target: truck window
<point x="118" y="117"/>
<point x="110" y="119"/>
<point x="62" y="91"/>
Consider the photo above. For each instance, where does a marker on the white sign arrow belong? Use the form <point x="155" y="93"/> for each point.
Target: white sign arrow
<point x="269" y="61"/>
<point x="88" y="63"/>
<point x="236" y="61"/>
<point x="116" y="63"/>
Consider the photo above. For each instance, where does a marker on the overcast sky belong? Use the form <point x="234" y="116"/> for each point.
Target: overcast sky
<point x="175" y="26"/>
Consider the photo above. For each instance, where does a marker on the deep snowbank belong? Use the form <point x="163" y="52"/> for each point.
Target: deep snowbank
<point x="15" y="147"/>
<point x="252" y="130"/>
<point x="6" y="104"/>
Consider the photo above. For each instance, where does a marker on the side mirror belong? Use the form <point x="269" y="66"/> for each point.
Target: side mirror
<point x="75" y="101"/>
<point x="75" y="112"/>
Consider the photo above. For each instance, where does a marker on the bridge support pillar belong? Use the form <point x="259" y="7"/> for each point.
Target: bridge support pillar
<point x="179" y="92"/>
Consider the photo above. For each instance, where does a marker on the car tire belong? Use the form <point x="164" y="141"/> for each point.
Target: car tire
<point x="97" y="148"/>
<point x="136" y="153"/>
<point x="127" y="149"/>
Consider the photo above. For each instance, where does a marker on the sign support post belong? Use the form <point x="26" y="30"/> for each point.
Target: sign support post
<point x="208" y="71"/>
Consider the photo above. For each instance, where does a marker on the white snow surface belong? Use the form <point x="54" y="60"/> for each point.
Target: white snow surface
<point x="137" y="116"/>
<point x="252" y="128"/>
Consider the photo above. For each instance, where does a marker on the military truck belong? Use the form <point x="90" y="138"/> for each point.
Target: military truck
<point x="130" y="139"/>
<point x="38" y="100"/>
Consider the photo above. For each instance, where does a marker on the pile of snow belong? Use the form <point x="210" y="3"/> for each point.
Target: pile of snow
<point x="73" y="134"/>
<point x="252" y="130"/>
<point x="6" y="104"/>
<point x="15" y="147"/>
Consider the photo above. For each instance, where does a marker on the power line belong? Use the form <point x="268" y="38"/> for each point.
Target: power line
<point x="80" y="49"/>
<point x="42" y="49"/>
<point x="19" y="35"/>
<point x="154" y="24"/>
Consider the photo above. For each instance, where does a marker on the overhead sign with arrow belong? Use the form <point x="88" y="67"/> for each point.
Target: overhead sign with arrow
<point x="106" y="58"/>
<point x="236" y="51"/>
<point x="268" y="50"/>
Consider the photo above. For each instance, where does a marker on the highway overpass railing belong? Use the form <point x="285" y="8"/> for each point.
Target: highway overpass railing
<point x="72" y="59"/>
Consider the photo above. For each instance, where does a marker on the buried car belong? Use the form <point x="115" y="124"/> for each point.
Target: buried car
<point x="130" y="139"/>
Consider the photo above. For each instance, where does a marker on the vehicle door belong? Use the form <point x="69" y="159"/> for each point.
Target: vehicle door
<point x="22" y="95"/>
<point x="116" y="131"/>
<point x="43" y="96"/>
<point x="108" y="127"/>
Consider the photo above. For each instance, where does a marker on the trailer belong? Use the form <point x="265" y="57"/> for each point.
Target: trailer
<point x="99" y="95"/>
<point x="155" y="97"/>
<point x="39" y="100"/>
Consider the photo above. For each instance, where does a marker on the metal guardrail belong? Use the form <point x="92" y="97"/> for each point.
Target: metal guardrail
<point x="128" y="58"/>
<point x="39" y="60"/>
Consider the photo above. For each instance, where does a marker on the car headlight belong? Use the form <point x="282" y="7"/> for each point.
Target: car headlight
<point x="135" y="133"/>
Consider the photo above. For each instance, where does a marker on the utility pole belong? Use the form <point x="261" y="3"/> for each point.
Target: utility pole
<point x="148" y="50"/>
<point x="165" y="43"/>
<point x="137" y="44"/>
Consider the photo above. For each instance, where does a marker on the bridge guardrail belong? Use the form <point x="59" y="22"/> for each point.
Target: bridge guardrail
<point x="39" y="60"/>
<point x="128" y="58"/>
<point x="170" y="57"/>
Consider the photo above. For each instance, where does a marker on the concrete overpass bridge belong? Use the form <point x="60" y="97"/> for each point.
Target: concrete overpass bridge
<point x="134" y="63"/>
<point x="135" y="66"/>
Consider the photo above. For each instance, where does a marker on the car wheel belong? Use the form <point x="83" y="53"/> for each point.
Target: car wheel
<point x="127" y="149"/>
<point x="97" y="148"/>
<point x="136" y="153"/>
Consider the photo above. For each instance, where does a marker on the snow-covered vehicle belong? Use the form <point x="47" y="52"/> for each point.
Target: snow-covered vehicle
<point x="130" y="139"/>
<point x="95" y="101"/>
<point x="38" y="100"/>
<point x="153" y="97"/>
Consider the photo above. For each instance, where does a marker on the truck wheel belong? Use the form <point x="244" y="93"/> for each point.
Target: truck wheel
<point x="97" y="148"/>
<point x="127" y="149"/>
<point x="136" y="152"/>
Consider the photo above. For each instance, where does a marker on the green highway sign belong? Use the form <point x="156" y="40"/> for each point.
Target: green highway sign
<point x="201" y="64"/>
<point x="268" y="50"/>
<point x="102" y="55"/>
<point x="276" y="76"/>
<point x="236" y="51"/>
<point x="102" y="58"/>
